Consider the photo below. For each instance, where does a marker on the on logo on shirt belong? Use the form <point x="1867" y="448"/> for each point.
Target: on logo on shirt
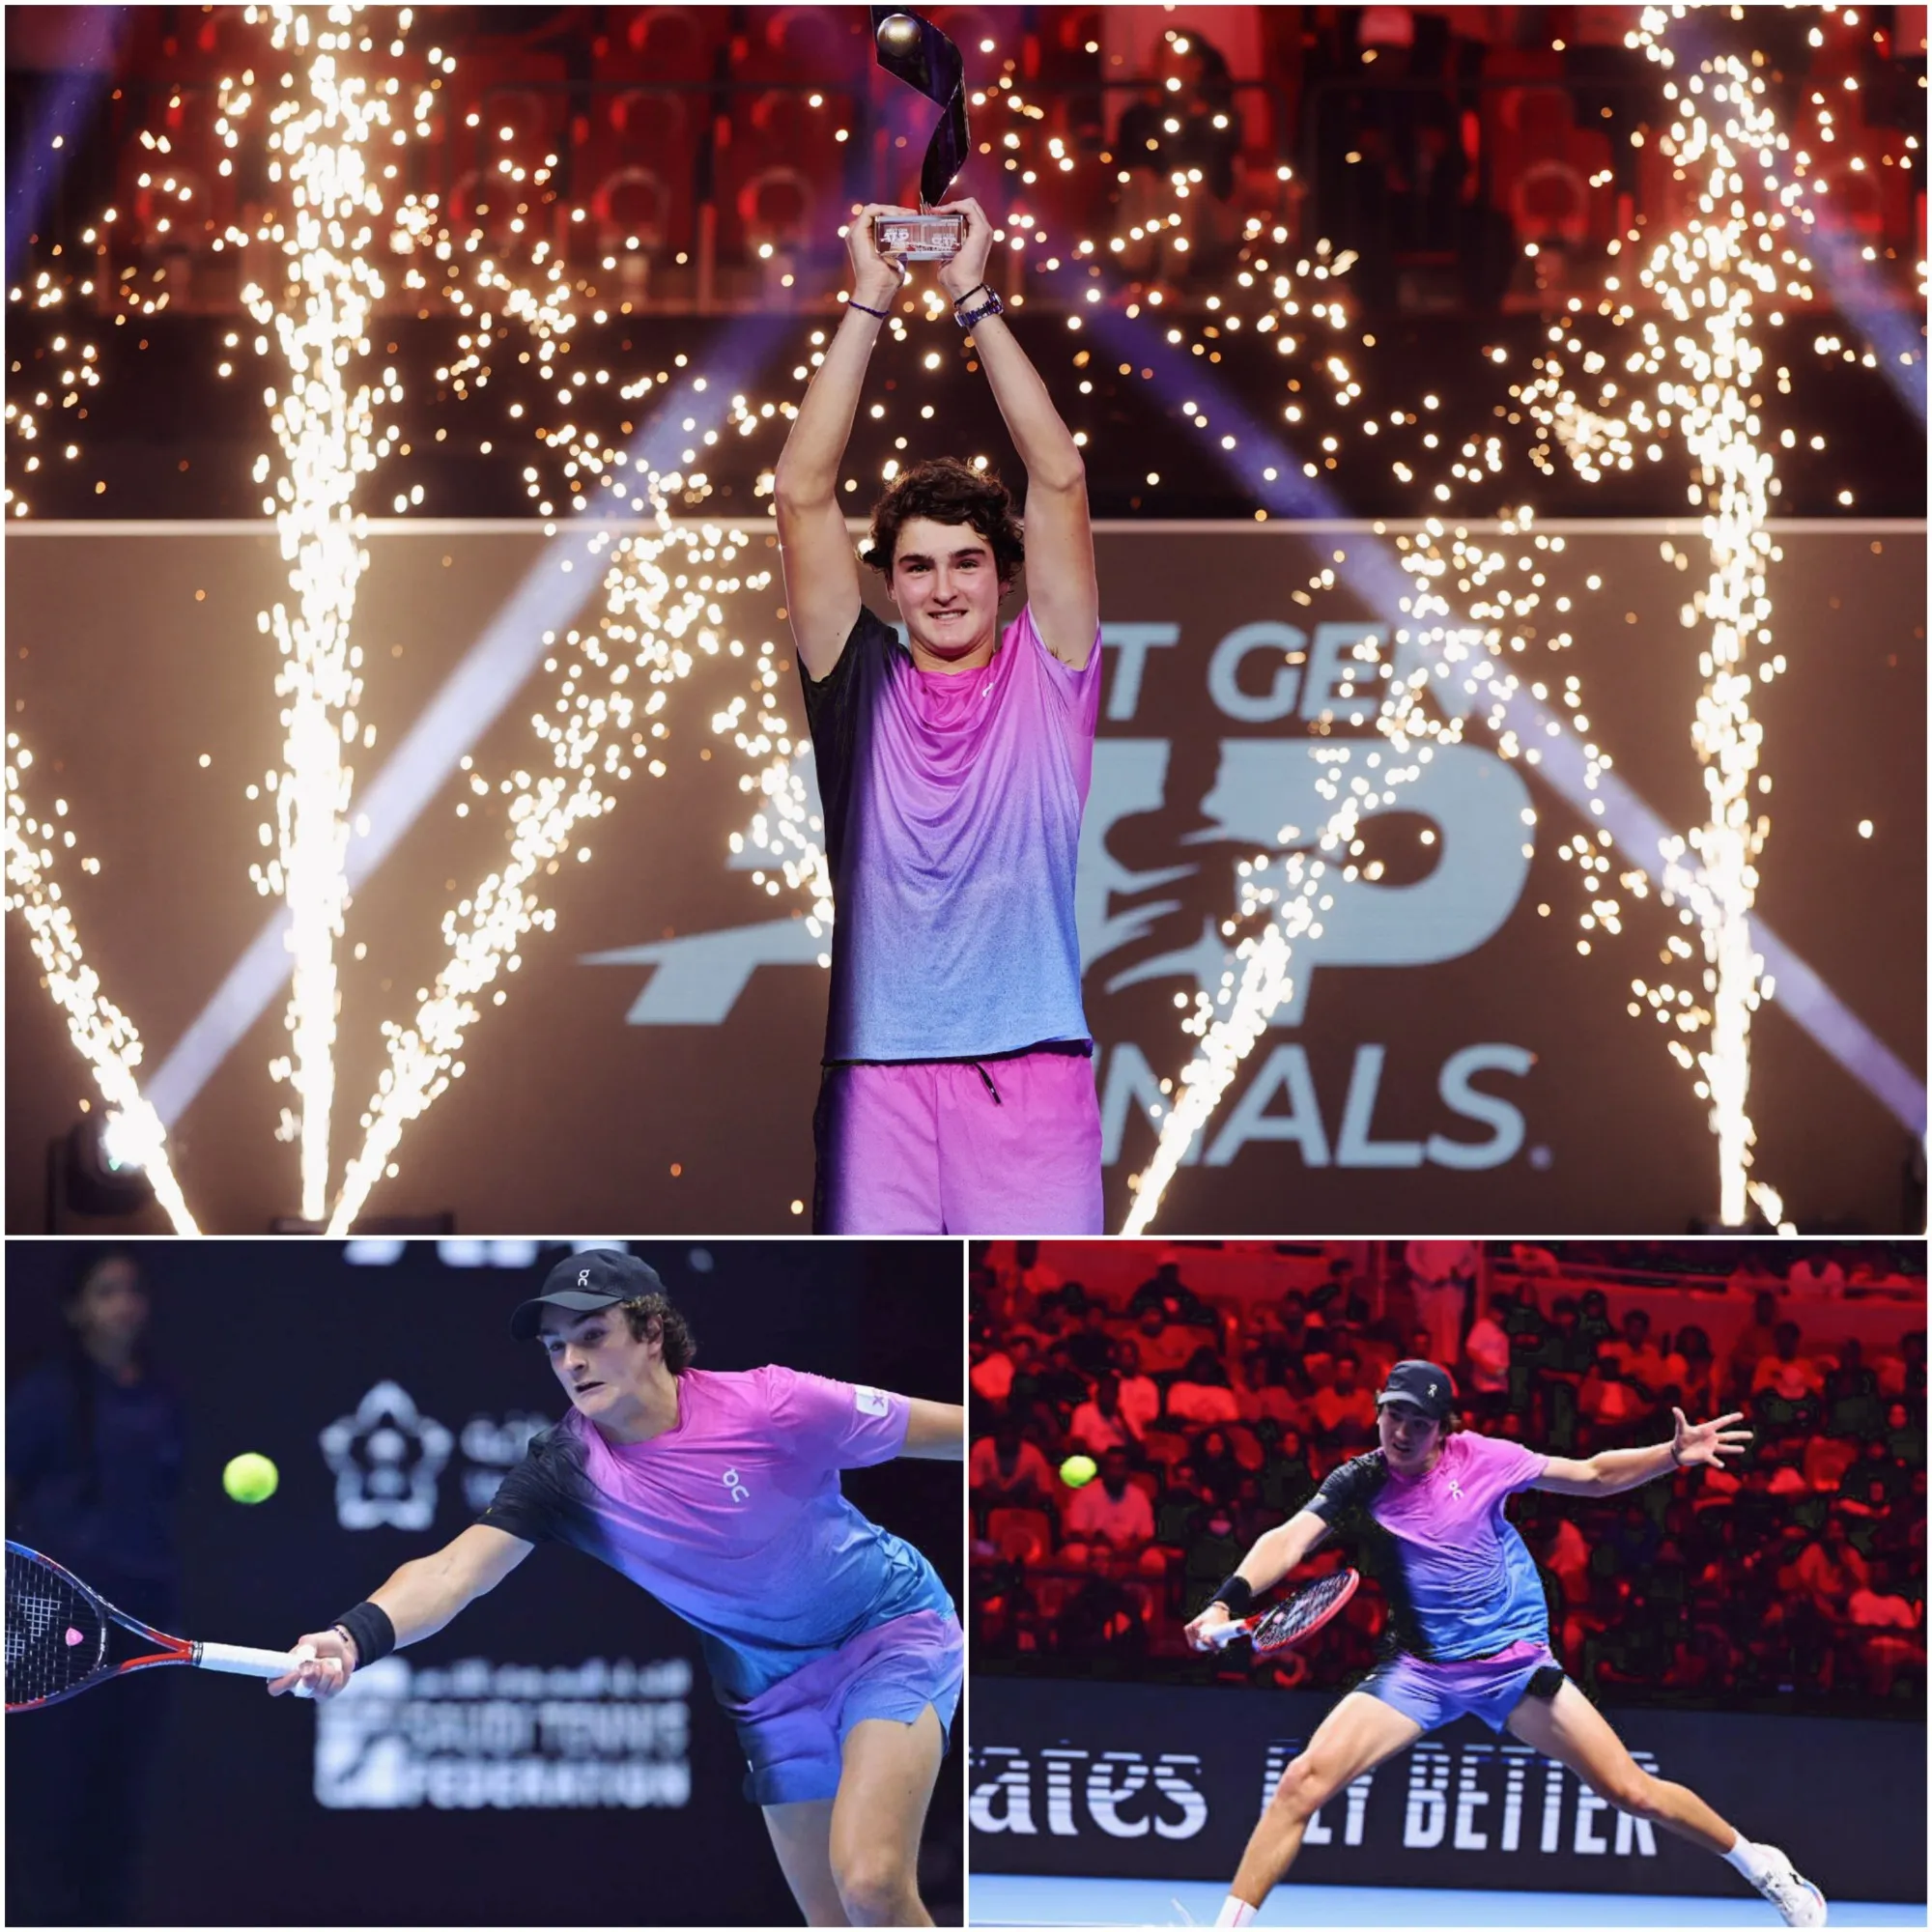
<point x="871" y="1401"/>
<point x="739" y="1492"/>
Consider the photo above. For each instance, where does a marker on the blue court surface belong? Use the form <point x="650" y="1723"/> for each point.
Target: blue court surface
<point x="1002" y="1900"/>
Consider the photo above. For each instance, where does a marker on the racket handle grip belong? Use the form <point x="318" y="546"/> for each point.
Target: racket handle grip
<point x="238" y="1661"/>
<point x="1223" y="1635"/>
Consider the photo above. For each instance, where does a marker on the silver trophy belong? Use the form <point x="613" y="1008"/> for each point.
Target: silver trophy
<point x="912" y="49"/>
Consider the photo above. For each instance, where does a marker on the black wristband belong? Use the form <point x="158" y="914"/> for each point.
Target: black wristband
<point x="369" y="1627"/>
<point x="1238" y="1593"/>
<point x="957" y="300"/>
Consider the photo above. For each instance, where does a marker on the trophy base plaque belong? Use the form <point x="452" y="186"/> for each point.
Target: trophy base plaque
<point x="919" y="238"/>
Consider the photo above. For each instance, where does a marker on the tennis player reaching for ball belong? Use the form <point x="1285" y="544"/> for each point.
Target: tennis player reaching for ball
<point x="1469" y="1626"/>
<point x="831" y="1643"/>
<point x="957" y="1091"/>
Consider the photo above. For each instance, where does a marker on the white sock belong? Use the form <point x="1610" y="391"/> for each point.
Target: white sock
<point x="1235" y="1911"/>
<point x="1748" y="1859"/>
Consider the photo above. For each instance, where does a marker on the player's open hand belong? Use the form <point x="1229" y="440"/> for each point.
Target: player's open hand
<point x="1209" y="1619"/>
<point x="1708" y="1441"/>
<point x="967" y="270"/>
<point x="326" y="1671"/>
<point x="875" y="277"/>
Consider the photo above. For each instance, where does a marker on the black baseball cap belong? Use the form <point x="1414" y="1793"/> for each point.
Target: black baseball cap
<point x="1424" y="1386"/>
<point x="598" y="1278"/>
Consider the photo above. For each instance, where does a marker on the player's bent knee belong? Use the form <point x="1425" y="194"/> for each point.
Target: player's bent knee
<point x="1636" y="1792"/>
<point x="1306" y="1785"/>
<point x="875" y="1888"/>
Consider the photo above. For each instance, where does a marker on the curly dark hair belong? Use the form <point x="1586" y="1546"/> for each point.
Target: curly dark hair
<point x="641" y="1310"/>
<point x="948" y="492"/>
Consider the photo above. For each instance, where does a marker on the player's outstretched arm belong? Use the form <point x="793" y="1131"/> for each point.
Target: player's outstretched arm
<point x="821" y="572"/>
<point x="418" y="1599"/>
<point x="1063" y="588"/>
<point x="1276" y="1553"/>
<point x="1611" y="1471"/>
<point x="935" y="1431"/>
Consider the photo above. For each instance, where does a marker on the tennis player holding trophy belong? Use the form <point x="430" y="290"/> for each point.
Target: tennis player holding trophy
<point x="958" y="1092"/>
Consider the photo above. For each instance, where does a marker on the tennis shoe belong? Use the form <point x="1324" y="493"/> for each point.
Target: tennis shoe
<point x="1798" y="1901"/>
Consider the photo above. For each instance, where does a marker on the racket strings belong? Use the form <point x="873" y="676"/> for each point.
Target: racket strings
<point x="53" y="1637"/>
<point x="1302" y="1612"/>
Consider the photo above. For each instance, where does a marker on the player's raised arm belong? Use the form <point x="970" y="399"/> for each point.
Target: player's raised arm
<point x="821" y="572"/>
<point x="415" y="1603"/>
<point x="1611" y="1471"/>
<point x="935" y="1431"/>
<point x="1063" y="588"/>
<point x="1276" y="1553"/>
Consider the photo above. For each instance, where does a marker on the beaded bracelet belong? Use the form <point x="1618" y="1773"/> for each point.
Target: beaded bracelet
<point x="884" y="314"/>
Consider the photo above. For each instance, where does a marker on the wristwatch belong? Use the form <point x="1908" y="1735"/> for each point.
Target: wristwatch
<point x="967" y="317"/>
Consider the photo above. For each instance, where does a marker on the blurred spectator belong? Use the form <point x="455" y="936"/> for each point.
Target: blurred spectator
<point x="1440" y="1273"/>
<point x="96" y="1442"/>
<point x="1090" y="1347"/>
<point x="1140" y="1393"/>
<point x="1638" y="1356"/>
<point x="1184" y="122"/>
<point x="1165" y="1347"/>
<point x="1816" y="1278"/>
<point x="1753" y="1275"/>
<point x="1698" y="1378"/>
<point x="1754" y="1342"/>
<point x="1905" y="1435"/>
<point x="1789" y="1383"/>
<point x="1097" y="1424"/>
<point x="1215" y="1466"/>
<point x="1874" y="1482"/>
<point x="1167" y="1295"/>
<point x="1488" y="1351"/>
<point x="992" y="1374"/>
<point x="1607" y="1399"/>
<point x="1875" y="1604"/>
<point x="1005" y="1472"/>
<point x="1853" y="1405"/>
<point x="1288" y="1480"/>
<point x="1202" y="1393"/>
<point x="1102" y="1616"/>
<point x="1345" y="1411"/>
<point x="1832" y="1570"/>
<point x="1110" y="1509"/>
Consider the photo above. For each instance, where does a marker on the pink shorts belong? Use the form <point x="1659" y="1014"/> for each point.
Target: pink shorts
<point x="1005" y="1146"/>
<point x="793" y="1735"/>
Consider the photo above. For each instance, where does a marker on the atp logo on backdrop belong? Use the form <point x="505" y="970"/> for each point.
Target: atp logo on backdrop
<point x="1268" y="793"/>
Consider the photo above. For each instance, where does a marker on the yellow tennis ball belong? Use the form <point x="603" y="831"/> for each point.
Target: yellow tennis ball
<point x="250" y="1478"/>
<point x="1077" y="1471"/>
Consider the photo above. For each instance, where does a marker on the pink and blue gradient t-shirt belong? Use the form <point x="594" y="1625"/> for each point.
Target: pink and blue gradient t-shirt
<point x="1459" y="1579"/>
<point x="952" y="805"/>
<point x="734" y="1520"/>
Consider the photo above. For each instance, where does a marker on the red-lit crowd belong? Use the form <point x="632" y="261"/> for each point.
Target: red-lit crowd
<point x="1799" y="1575"/>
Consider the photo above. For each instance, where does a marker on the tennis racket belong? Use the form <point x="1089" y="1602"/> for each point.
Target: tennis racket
<point x="1293" y="1620"/>
<point x="57" y="1630"/>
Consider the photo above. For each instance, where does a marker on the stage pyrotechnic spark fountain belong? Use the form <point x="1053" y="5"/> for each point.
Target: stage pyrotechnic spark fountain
<point x="104" y="1037"/>
<point x="1708" y="274"/>
<point x="652" y="624"/>
<point x="325" y="427"/>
